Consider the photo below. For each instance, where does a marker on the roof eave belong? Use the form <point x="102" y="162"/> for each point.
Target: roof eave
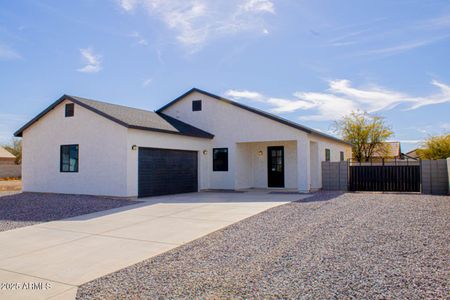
<point x="19" y="133"/>
<point x="256" y="111"/>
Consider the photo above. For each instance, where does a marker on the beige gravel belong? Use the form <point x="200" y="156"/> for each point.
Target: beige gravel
<point x="376" y="246"/>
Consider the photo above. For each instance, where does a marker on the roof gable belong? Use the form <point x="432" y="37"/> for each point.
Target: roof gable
<point x="253" y="110"/>
<point x="6" y="154"/>
<point x="128" y="117"/>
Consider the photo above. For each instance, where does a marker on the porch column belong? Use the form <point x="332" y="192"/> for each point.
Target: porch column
<point x="303" y="166"/>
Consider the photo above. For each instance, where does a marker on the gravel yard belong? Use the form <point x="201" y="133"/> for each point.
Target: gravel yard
<point x="393" y="246"/>
<point x="26" y="209"/>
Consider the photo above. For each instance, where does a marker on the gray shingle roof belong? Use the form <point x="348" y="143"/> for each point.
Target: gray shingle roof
<point x="128" y="117"/>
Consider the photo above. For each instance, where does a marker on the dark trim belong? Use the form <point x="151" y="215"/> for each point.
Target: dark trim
<point x="269" y="160"/>
<point x="210" y="136"/>
<point x="256" y="111"/>
<point x="184" y="128"/>
<point x="61" y="158"/>
<point x="69" y="110"/>
<point x="227" y="165"/>
<point x="327" y="154"/>
<point x="201" y="133"/>
<point x="196" y="105"/>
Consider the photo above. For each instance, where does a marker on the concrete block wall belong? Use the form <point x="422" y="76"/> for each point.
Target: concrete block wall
<point x="10" y="170"/>
<point x="435" y="177"/>
<point x="334" y="176"/>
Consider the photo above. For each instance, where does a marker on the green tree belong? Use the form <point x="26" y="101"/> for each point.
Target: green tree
<point x="365" y="132"/>
<point x="435" y="147"/>
<point x="15" y="147"/>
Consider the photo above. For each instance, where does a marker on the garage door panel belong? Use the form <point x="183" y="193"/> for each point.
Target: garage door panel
<point x="164" y="171"/>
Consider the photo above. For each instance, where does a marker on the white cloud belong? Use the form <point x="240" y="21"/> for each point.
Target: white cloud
<point x="341" y="98"/>
<point x="404" y="47"/>
<point x="441" y="97"/>
<point x="408" y="141"/>
<point x="194" y="22"/>
<point x="128" y="5"/>
<point x="93" y="61"/>
<point x="147" y="82"/>
<point x="7" y="53"/>
<point x="259" y="6"/>
<point x="140" y="40"/>
<point x="244" y="94"/>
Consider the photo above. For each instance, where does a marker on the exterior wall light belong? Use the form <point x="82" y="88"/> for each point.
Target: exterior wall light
<point x="205" y="152"/>
<point x="134" y="147"/>
<point x="260" y="153"/>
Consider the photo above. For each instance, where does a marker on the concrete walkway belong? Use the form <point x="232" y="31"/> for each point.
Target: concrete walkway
<point x="50" y="260"/>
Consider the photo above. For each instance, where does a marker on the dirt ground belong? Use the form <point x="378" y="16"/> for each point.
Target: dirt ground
<point x="10" y="186"/>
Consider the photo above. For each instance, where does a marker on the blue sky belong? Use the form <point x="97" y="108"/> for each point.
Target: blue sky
<point x="308" y="61"/>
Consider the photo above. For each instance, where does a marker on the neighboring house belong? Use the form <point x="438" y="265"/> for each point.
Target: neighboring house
<point x="6" y="157"/>
<point x="8" y="167"/>
<point x="412" y="154"/>
<point x="198" y="141"/>
<point x="388" y="150"/>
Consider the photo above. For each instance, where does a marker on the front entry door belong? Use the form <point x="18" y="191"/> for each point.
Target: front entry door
<point x="275" y="166"/>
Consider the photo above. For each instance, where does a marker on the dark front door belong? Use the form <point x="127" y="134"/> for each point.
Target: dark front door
<point x="163" y="171"/>
<point x="275" y="166"/>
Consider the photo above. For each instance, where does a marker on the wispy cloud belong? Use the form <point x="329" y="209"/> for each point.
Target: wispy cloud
<point x="244" y="94"/>
<point x="437" y="23"/>
<point x="258" y="6"/>
<point x="403" y="47"/>
<point x="140" y="40"/>
<point x="147" y="82"/>
<point x="7" y="53"/>
<point x="341" y="98"/>
<point x="195" y="22"/>
<point x="381" y="37"/>
<point x="93" y="61"/>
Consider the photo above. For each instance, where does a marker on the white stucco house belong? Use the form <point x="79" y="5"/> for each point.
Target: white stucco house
<point x="197" y="141"/>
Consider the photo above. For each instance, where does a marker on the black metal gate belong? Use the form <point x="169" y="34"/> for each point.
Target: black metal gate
<point x="391" y="176"/>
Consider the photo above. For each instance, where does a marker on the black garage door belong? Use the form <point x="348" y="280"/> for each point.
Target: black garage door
<point x="165" y="171"/>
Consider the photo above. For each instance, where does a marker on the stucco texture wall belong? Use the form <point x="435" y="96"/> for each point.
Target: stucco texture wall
<point x="232" y="126"/>
<point x="102" y="152"/>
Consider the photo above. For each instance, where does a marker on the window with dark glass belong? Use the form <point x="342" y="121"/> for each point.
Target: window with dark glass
<point x="197" y="105"/>
<point x="220" y="159"/>
<point x="327" y="154"/>
<point x="70" y="108"/>
<point x="69" y="158"/>
<point x="342" y="156"/>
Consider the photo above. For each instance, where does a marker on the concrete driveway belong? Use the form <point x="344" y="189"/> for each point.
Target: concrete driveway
<point x="51" y="260"/>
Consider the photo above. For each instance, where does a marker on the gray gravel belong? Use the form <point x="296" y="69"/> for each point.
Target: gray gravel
<point x="26" y="209"/>
<point x="366" y="246"/>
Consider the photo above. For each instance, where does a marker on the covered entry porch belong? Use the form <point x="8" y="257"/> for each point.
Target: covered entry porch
<point x="291" y="165"/>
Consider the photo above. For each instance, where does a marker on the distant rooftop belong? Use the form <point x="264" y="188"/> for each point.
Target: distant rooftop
<point x="5" y="153"/>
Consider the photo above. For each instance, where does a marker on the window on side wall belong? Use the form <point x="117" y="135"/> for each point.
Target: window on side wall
<point x="220" y="159"/>
<point x="342" y="156"/>
<point x="69" y="159"/>
<point x="327" y="154"/>
<point x="197" y="105"/>
<point x="69" y="110"/>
